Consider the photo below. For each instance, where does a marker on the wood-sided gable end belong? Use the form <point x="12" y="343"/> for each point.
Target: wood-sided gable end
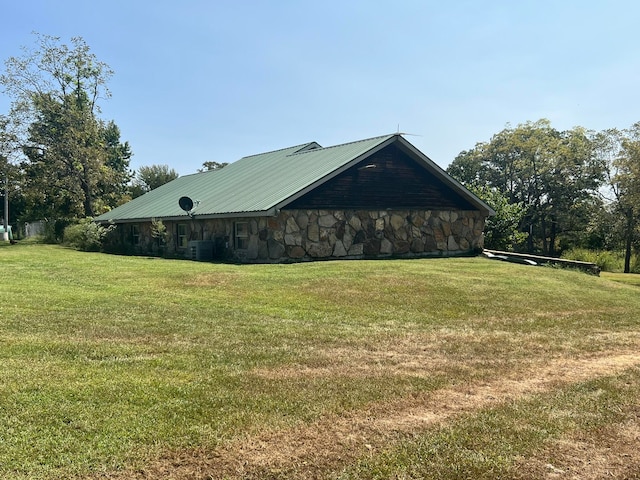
<point x="387" y="179"/>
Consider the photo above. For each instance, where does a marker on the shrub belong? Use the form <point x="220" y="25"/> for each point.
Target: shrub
<point x="85" y="235"/>
<point x="608" y="261"/>
<point x="158" y="231"/>
<point x="501" y="231"/>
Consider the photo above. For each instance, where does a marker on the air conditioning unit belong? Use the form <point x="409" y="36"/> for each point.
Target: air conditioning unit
<point x="200" y="250"/>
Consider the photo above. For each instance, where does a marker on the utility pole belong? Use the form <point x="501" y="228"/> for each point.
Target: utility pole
<point x="5" y="235"/>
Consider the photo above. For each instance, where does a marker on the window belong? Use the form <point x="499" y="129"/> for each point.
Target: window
<point x="135" y="234"/>
<point x="242" y="235"/>
<point x="182" y="235"/>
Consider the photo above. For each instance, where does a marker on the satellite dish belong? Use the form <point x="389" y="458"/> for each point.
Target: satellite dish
<point x="186" y="204"/>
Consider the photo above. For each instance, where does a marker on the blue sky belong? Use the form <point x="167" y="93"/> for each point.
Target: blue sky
<point x="216" y="80"/>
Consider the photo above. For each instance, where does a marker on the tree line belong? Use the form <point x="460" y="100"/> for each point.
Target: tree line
<point x="555" y="190"/>
<point x="59" y="160"/>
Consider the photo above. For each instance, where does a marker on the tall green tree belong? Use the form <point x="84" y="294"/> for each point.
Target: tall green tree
<point x="554" y="175"/>
<point x="501" y="231"/>
<point x="620" y="150"/>
<point x="113" y="183"/>
<point x="151" y="177"/>
<point x="64" y="155"/>
<point x="74" y="164"/>
<point x="211" y="165"/>
<point x="628" y="181"/>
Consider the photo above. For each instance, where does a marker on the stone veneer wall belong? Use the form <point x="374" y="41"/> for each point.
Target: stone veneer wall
<point x="298" y="235"/>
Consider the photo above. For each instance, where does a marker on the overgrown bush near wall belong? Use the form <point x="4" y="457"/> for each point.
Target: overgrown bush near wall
<point x="85" y="235"/>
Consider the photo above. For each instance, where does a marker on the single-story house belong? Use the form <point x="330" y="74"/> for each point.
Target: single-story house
<point x="374" y="198"/>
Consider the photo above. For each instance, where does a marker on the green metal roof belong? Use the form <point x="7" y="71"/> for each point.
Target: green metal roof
<point x="253" y="185"/>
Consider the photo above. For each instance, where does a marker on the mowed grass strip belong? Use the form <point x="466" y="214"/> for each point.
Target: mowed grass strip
<point x="107" y="361"/>
<point x="587" y="430"/>
<point x="628" y="278"/>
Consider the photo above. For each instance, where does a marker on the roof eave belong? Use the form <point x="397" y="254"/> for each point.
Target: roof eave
<point x="271" y="212"/>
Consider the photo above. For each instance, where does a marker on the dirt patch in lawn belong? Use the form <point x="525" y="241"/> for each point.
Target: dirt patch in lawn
<point x="613" y="453"/>
<point x="217" y="279"/>
<point x="416" y="355"/>
<point x="314" y="450"/>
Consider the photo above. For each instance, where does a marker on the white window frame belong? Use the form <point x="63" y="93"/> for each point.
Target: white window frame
<point x="241" y="235"/>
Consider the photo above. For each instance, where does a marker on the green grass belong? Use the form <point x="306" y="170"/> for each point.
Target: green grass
<point x="491" y="443"/>
<point x="106" y="361"/>
<point x="627" y="278"/>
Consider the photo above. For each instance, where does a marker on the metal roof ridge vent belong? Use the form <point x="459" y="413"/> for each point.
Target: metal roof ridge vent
<point x="309" y="147"/>
<point x="302" y="145"/>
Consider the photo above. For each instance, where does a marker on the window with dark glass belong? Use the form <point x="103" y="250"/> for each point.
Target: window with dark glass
<point x="182" y="235"/>
<point x="135" y="234"/>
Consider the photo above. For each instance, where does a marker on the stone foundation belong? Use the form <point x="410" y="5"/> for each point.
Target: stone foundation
<point x="300" y="235"/>
<point x="319" y="234"/>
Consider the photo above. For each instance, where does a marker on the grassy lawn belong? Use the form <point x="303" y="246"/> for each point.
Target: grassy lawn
<point x="628" y="278"/>
<point x="132" y="367"/>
